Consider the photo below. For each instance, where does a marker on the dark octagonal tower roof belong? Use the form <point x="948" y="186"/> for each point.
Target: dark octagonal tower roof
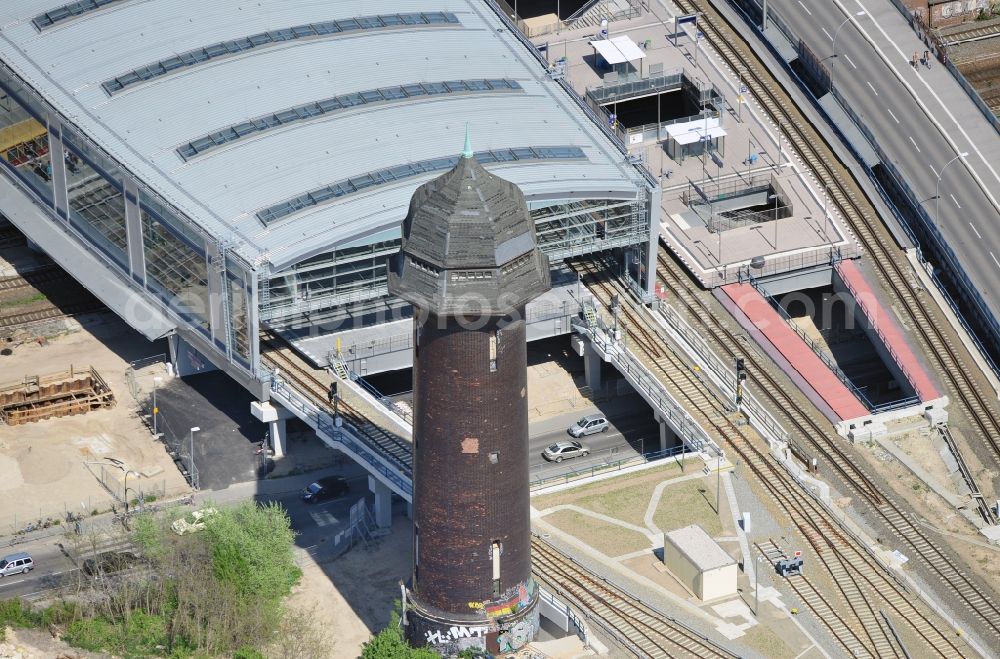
<point x="469" y="246"/>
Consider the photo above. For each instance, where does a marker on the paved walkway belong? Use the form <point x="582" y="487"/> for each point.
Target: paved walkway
<point x="937" y="87"/>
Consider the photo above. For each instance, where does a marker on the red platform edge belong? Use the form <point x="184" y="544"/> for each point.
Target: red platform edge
<point x="807" y="370"/>
<point x="886" y="326"/>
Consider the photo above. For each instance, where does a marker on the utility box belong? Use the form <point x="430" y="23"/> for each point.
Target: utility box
<point x="699" y="563"/>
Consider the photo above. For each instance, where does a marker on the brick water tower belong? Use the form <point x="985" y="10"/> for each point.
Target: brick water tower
<point x="469" y="264"/>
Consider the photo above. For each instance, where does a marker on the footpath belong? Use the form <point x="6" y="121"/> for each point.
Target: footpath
<point x="935" y="88"/>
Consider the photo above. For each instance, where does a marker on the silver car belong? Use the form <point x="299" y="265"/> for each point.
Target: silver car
<point x="588" y="425"/>
<point x="19" y="563"/>
<point x="562" y="450"/>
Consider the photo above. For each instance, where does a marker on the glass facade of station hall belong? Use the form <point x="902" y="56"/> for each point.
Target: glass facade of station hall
<point x="212" y="290"/>
<point x="154" y="246"/>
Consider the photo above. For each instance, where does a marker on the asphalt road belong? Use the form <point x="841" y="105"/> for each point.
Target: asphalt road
<point x="632" y="431"/>
<point x="967" y="219"/>
<point x="51" y="567"/>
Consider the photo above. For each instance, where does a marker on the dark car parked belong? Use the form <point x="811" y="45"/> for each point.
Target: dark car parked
<point x="109" y="562"/>
<point x="325" y="489"/>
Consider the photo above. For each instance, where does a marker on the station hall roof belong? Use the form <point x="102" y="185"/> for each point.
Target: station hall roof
<point x="287" y="127"/>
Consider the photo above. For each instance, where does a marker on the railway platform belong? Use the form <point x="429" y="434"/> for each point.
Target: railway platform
<point x="817" y="374"/>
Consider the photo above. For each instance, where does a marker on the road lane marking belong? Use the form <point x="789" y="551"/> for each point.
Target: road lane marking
<point x="995" y="259"/>
<point x="848" y="58"/>
<point x="826" y="33"/>
<point x="892" y="115"/>
<point x="932" y="169"/>
<point x="959" y="206"/>
<point x="923" y="105"/>
<point x="806" y="8"/>
<point x="975" y="229"/>
<point x="914" y="143"/>
<point x="871" y="86"/>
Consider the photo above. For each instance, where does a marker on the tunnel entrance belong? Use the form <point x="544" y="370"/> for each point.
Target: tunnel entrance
<point x="830" y="322"/>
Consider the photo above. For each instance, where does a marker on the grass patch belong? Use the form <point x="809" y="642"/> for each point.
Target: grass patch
<point x="16" y="613"/>
<point x="609" y="539"/>
<point x="21" y="301"/>
<point x="624" y="497"/>
<point x="690" y="502"/>
<point x="766" y="642"/>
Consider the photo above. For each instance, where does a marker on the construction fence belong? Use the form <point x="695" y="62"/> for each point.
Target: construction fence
<point x="143" y="376"/>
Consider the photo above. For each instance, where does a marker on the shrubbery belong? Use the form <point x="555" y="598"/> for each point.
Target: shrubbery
<point x="391" y="644"/>
<point x="214" y="593"/>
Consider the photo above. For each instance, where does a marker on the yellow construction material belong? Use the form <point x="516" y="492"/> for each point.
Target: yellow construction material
<point x="19" y="133"/>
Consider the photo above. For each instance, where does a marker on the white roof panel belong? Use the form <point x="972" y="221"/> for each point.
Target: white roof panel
<point x="143" y="124"/>
<point x="699" y="547"/>
<point x="618" y="50"/>
<point x="689" y="132"/>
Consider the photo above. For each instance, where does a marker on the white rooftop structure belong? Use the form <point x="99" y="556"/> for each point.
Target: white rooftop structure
<point x="618" y="50"/>
<point x="294" y="96"/>
<point x="690" y="132"/>
<point x="699" y="548"/>
<point x="211" y="168"/>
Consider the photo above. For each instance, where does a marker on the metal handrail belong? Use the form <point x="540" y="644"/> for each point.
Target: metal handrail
<point x="617" y="465"/>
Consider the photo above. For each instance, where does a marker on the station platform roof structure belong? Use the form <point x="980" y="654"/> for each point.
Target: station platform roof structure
<point x="286" y="128"/>
<point x="789" y="351"/>
<point x="618" y="50"/>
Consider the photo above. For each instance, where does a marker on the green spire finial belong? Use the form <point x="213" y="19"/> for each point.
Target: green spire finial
<point x="467" y="152"/>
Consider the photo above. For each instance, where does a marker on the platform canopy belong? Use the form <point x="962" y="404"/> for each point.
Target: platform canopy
<point x="618" y="50"/>
<point x="689" y="132"/>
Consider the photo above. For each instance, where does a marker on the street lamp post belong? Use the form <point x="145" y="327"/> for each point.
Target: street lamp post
<point x="718" y="484"/>
<point x="937" y="193"/>
<point x="837" y="34"/>
<point x="826" y="214"/>
<point x="756" y="587"/>
<point x="191" y="455"/>
<point x="156" y="410"/>
<point x="117" y="464"/>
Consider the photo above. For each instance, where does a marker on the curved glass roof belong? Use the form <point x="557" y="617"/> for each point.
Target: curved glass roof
<point x="70" y="10"/>
<point x="340" y="103"/>
<point x="328" y="193"/>
<point x="325" y="29"/>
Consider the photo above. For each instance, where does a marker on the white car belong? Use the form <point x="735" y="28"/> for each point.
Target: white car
<point x="588" y="425"/>
<point x="193" y="521"/>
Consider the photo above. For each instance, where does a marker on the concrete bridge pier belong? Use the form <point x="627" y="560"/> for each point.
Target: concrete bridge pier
<point x="383" y="502"/>
<point x="668" y="437"/>
<point x="592" y="367"/>
<point x="276" y="418"/>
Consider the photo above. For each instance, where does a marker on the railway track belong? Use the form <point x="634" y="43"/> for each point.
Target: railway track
<point x="276" y="353"/>
<point x="812" y="597"/>
<point x="856" y="574"/>
<point x="638" y="627"/>
<point x="34" y="278"/>
<point x="821" y="440"/>
<point x="11" y="237"/>
<point x="937" y="346"/>
<point x="889" y="263"/>
<point x="28" y="319"/>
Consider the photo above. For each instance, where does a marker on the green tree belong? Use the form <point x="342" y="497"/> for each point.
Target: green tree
<point x="252" y="550"/>
<point x="390" y="643"/>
